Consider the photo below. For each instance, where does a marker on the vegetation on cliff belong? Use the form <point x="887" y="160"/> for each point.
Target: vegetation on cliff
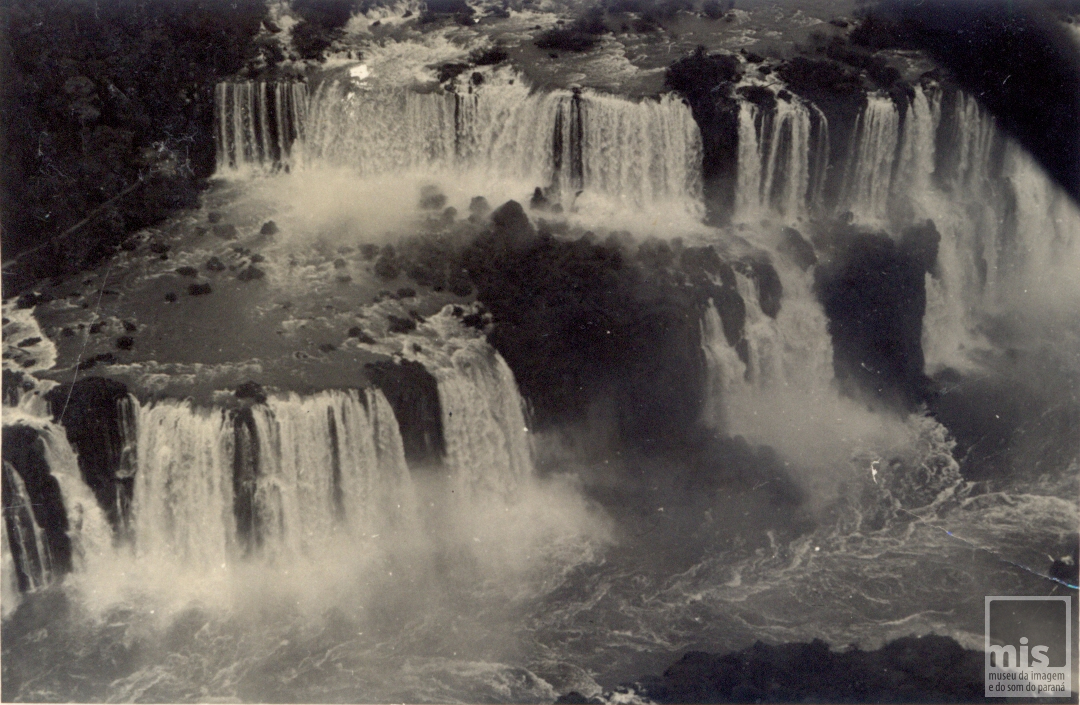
<point x="97" y="96"/>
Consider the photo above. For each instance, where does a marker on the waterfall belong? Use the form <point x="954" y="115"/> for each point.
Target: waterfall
<point x="644" y="153"/>
<point x="774" y="160"/>
<point x="30" y="553"/>
<point x="918" y="148"/>
<point x="284" y="480"/>
<point x="641" y="153"/>
<point x="1008" y="234"/>
<point x="183" y="504"/>
<point x="52" y="521"/>
<point x="789" y="358"/>
<point x="257" y="124"/>
<point x="487" y="441"/>
<point x="869" y="171"/>
<point x="329" y="463"/>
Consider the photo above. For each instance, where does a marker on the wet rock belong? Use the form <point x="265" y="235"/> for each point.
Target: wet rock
<point x="358" y="333"/>
<point x="29" y="342"/>
<point x="930" y="668"/>
<point x="655" y="254"/>
<point x="539" y="201"/>
<point x="250" y="274"/>
<point x="387" y="266"/>
<point x="125" y="342"/>
<point x="187" y="271"/>
<point x="269" y="228"/>
<point x="759" y="96"/>
<point x="95" y="412"/>
<point x="199" y="289"/>
<point x="874" y="293"/>
<point x="106" y="358"/>
<point x="413" y="394"/>
<point x="24" y="455"/>
<point x="226" y="231"/>
<point x="797" y="249"/>
<point x="920" y="243"/>
<point x="96" y="327"/>
<point x="479" y="207"/>
<point x="401" y="325"/>
<point x="251" y="390"/>
<point x="129" y="326"/>
<point x="214" y="265"/>
<point x="431" y="198"/>
<point x="159" y="248"/>
<point x="30" y="299"/>
<point x="474" y="320"/>
<point x="510" y="224"/>
<point x="769" y="288"/>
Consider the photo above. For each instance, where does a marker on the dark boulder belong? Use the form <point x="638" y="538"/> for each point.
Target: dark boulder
<point x="511" y="225"/>
<point x="358" y="333"/>
<point x="199" y="289"/>
<point x="214" y="264"/>
<point x="707" y="82"/>
<point x="187" y="271"/>
<point x="911" y="669"/>
<point x="539" y="201"/>
<point x="413" y="394"/>
<point x="767" y="284"/>
<point x="268" y="228"/>
<point x="251" y="390"/>
<point x="40" y="510"/>
<point x="479" y="207"/>
<point x="125" y="342"/>
<point x="388" y="266"/>
<point x="874" y="295"/>
<point x="759" y="96"/>
<point x="401" y="325"/>
<point x="797" y="249"/>
<point x="95" y="412"/>
<point x="250" y="273"/>
<point x="431" y="199"/>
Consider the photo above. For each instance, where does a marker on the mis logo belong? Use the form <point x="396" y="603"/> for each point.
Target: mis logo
<point x="1028" y="647"/>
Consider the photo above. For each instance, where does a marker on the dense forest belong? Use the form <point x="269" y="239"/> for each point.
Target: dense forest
<point x="98" y="97"/>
